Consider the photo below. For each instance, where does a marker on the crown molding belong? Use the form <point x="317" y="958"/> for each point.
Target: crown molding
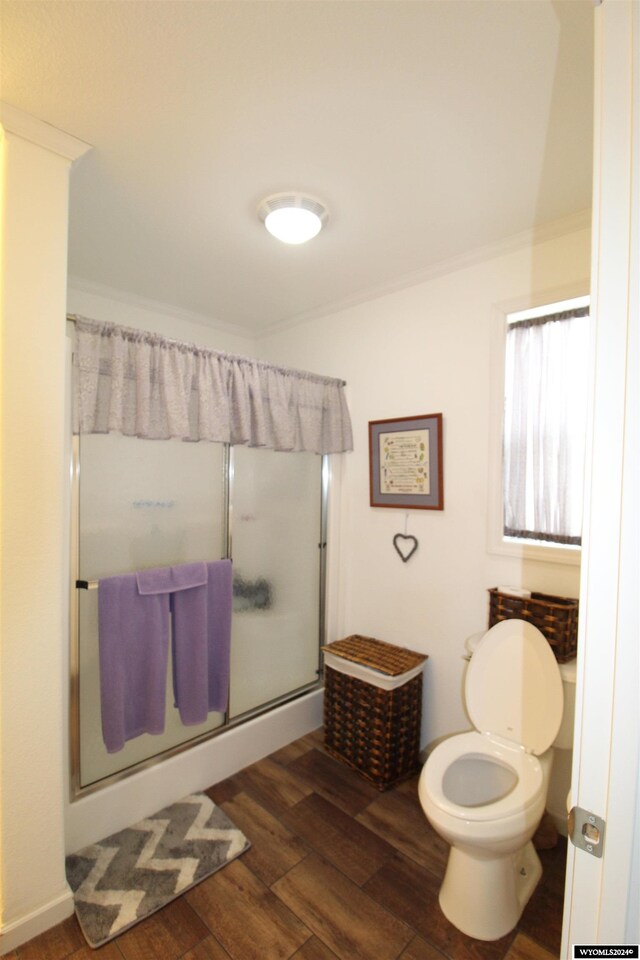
<point x="527" y="238"/>
<point x="43" y="134"/>
<point x="157" y="306"/>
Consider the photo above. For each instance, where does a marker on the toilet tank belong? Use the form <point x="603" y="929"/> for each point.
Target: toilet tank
<point x="560" y="782"/>
<point x="564" y="739"/>
<point x="471" y="643"/>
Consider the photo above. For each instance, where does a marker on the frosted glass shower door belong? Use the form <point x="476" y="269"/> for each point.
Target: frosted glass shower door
<point x="143" y="503"/>
<point x="276" y="530"/>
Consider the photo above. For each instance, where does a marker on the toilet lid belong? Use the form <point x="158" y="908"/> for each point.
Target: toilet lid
<point x="513" y="687"/>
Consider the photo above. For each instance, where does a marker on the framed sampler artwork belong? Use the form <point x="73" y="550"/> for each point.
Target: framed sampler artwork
<point x="405" y="462"/>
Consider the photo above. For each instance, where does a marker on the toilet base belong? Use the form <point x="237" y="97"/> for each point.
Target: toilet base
<point x="484" y="897"/>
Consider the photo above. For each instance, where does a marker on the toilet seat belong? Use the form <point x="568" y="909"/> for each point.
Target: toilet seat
<point x="513" y="692"/>
<point x="526" y="767"/>
<point x="513" y="687"/>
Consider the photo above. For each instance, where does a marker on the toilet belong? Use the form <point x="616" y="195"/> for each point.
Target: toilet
<point x="485" y="791"/>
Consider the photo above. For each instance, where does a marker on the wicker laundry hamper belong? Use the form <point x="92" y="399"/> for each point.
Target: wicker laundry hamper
<point x="373" y="708"/>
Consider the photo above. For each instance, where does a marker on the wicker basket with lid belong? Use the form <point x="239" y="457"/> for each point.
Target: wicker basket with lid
<point x="373" y="707"/>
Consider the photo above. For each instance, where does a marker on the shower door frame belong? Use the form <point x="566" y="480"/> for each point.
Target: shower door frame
<point x="77" y="790"/>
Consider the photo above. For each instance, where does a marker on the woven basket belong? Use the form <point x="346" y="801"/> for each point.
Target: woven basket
<point x="555" y="617"/>
<point x="375" y="731"/>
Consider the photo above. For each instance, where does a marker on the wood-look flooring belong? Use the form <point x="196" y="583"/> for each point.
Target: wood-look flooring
<point x="336" y="871"/>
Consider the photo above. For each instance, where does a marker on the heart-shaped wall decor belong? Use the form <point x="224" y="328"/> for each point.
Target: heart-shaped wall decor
<point x="406" y="546"/>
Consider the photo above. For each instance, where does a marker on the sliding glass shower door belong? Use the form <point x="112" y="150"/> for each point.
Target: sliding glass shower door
<point x="144" y="503"/>
<point x="276" y="549"/>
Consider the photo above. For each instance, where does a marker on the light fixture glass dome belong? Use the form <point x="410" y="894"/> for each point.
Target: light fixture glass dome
<point x="292" y="217"/>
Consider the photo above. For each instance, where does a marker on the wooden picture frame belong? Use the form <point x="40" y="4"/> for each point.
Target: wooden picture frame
<point x="405" y="462"/>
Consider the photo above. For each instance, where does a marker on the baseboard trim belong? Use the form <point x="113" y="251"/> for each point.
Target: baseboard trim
<point x="14" y="934"/>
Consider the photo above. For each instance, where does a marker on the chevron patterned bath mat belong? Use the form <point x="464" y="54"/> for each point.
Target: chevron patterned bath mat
<point x="135" y="872"/>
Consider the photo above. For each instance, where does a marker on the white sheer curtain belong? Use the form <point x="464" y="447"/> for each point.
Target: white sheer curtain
<point x="544" y="426"/>
<point x="142" y="385"/>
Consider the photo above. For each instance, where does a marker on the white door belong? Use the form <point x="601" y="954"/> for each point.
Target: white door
<point x="602" y="902"/>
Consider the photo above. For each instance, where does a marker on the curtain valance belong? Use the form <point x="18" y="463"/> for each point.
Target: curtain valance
<point x="142" y="385"/>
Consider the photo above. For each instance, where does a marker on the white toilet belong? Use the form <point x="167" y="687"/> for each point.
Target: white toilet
<point x="484" y="792"/>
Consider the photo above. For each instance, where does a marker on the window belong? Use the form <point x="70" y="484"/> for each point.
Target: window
<point x="544" y="423"/>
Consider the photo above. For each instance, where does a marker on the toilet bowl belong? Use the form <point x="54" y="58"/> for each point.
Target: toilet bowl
<point x="484" y="791"/>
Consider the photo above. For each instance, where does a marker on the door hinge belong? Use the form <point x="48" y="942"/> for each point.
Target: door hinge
<point x="586" y="831"/>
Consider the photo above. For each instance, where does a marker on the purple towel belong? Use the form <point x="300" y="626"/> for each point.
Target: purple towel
<point x="172" y="579"/>
<point x="201" y="604"/>
<point x="133" y="649"/>
<point x="201" y="620"/>
<point x="134" y="614"/>
<point x="219" y="606"/>
<point x="187" y="585"/>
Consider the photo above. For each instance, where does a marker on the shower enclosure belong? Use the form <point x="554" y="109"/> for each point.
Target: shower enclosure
<point x="143" y="503"/>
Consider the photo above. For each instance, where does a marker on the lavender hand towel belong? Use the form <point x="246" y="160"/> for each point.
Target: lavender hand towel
<point x="219" y="607"/>
<point x="189" y="651"/>
<point x="187" y="585"/>
<point x="185" y="576"/>
<point x="201" y="619"/>
<point x="133" y="643"/>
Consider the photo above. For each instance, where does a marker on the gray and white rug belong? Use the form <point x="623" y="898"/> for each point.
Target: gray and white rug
<point x="123" y="879"/>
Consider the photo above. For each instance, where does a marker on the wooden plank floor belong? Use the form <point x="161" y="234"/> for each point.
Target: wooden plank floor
<point x="336" y="871"/>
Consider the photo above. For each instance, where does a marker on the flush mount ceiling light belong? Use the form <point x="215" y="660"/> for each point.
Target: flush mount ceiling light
<point x="292" y="217"/>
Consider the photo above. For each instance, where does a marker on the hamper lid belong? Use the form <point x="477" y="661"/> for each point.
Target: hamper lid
<point x="382" y="656"/>
<point x="513" y="687"/>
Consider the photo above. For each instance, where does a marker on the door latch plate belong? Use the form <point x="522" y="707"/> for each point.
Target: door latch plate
<point x="586" y="831"/>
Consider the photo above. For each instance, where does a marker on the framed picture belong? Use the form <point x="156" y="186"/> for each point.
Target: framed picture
<point x="405" y="462"/>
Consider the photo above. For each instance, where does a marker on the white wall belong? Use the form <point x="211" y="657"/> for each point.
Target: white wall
<point x="426" y="349"/>
<point x="34" y="165"/>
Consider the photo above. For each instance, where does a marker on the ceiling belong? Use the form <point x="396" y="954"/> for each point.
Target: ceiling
<point x="429" y="128"/>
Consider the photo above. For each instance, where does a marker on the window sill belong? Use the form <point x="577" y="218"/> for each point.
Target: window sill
<point x="544" y="553"/>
